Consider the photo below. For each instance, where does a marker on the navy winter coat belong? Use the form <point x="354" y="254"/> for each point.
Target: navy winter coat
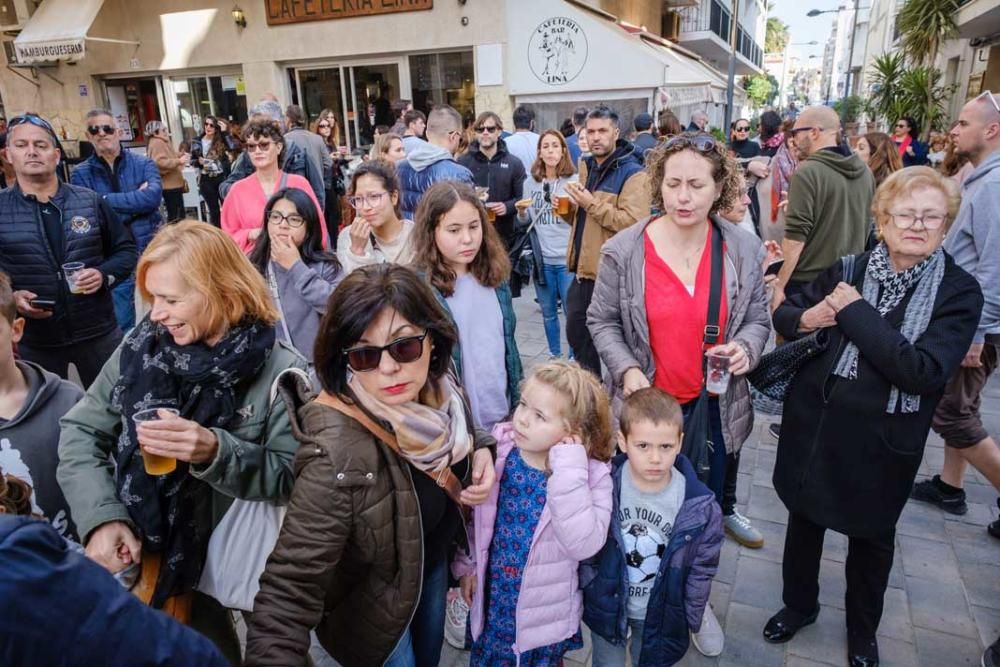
<point x="61" y="608"/>
<point x="680" y="593"/>
<point x="424" y="166"/>
<point x="138" y="209"/>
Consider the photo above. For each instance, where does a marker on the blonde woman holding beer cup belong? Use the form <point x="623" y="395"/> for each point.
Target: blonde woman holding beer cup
<point x="180" y="422"/>
<point x="548" y="211"/>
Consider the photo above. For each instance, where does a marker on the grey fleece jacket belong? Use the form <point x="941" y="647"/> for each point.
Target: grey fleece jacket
<point x="29" y="443"/>
<point x="303" y="292"/>
<point x="974" y="239"/>
<point x="617" y="316"/>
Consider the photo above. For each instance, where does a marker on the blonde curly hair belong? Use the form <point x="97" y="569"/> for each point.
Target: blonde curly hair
<point x="725" y="170"/>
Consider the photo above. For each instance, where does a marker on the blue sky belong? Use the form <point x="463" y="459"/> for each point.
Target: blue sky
<point x="805" y="29"/>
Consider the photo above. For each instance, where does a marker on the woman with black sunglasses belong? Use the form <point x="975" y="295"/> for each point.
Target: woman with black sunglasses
<point x="299" y="272"/>
<point x="210" y="153"/>
<point x="388" y="458"/>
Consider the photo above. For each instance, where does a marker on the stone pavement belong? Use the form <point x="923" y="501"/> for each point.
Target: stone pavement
<point x="942" y="607"/>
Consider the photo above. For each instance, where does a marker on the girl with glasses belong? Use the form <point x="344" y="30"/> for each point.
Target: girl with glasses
<point x="299" y="273"/>
<point x="465" y="261"/>
<point x="740" y="142"/>
<point x="363" y="552"/>
<point x="378" y="233"/>
<point x="209" y="152"/>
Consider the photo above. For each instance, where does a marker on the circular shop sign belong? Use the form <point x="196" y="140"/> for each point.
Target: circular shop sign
<point x="557" y="51"/>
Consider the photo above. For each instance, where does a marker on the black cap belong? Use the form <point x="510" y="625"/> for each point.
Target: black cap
<point x="643" y="122"/>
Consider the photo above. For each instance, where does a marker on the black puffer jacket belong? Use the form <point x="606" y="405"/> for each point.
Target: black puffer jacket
<point x="92" y="234"/>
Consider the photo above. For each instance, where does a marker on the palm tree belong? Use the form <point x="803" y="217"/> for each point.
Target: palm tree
<point x="924" y="24"/>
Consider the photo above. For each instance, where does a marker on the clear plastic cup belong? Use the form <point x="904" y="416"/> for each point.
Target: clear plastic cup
<point x="717" y="372"/>
<point x="70" y="270"/>
<point x="154" y="463"/>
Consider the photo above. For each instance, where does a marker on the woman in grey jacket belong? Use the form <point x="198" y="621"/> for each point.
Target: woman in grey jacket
<point x="650" y="300"/>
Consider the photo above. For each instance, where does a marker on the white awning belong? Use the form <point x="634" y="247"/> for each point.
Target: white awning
<point x="58" y="31"/>
<point x="560" y="47"/>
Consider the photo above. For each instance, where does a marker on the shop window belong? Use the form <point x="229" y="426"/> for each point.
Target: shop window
<point x="550" y="115"/>
<point x="444" y="78"/>
<point x="201" y="96"/>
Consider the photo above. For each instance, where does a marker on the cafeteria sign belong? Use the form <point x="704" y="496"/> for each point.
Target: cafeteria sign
<point x="281" y="12"/>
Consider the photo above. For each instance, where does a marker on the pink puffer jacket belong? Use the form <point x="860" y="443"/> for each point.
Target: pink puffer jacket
<point x="573" y="526"/>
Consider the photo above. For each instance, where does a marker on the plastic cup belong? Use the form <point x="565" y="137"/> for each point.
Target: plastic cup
<point x="491" y="215"/>
<point x="561" y="204"/>
<point x="70" y="270"/>
<point x="154" y="463"/>
<point x="717" y="371"/>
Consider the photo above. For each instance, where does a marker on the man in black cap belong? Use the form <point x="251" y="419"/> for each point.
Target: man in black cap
<point x="644" y="140"/>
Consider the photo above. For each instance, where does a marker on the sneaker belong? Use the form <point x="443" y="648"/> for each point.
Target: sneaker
<point x="991" y="657"/>
<point x="775" y="430"/>
<point x="709" y="640"/>
<point x="456" y="617"/>
<point x="994" y="530"/>
<point x="741" y="530"/>
<point x="928" y="491"/>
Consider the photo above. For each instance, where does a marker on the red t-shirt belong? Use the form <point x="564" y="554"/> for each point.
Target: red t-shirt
<point x="677" y="320"/>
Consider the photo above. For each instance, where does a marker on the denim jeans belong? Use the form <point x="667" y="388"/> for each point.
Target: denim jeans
<point x="557" y="282"/>
<point x="420" y="645"/>
<point x="606" y="654"/>
<point x="717" y="457"/>
<point x="123" y="295"/>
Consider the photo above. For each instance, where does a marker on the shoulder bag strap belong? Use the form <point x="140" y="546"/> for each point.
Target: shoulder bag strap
<point x="445" y="479"/>
<point x="272" y="284"/>
<point x="712" y="329"/>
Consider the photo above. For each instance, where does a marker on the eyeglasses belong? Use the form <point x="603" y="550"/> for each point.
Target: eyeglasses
<point x="902" y="126"/>
<point x="94" y="130"/>
<point x="403" y="350"/>
<point x="702" y="143"/>
<point x="930" y="221"/>
<point x="993" y="100"/>
<point x="489" y="129"/>
<point x="210" y="125"/>
<point x="262" y="146"/>
<point x="796" y="130"/>
<point x="293" y="219"/>
<point x="373" y="200"/>
<point x="743" y="129"/>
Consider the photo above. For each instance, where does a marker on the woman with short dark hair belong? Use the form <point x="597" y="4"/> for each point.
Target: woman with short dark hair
<point x="912" y="151"/>
<point x="387" y="448"/>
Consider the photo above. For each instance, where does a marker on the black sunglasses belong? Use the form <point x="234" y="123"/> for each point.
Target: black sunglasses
<point x="486" y="128"/>
<point x="702" y="143"/>
<point x="94" y="130"/>
<point x="742" y="129"/>
<point x="403" y="350"/>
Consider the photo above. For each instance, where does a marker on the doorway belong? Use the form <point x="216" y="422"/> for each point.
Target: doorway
<point x="359" y="95"/>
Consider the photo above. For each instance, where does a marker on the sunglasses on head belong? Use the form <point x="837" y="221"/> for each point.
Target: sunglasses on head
<point x="368" y="357"/>
<point x="992" y="98"/>
<point x="94" y="130"/>
<point x="31" y="119"/>
<point x="702" y="143"/>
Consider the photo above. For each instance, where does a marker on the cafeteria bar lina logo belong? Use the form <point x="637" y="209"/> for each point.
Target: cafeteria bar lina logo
<point x="557" y="51"/>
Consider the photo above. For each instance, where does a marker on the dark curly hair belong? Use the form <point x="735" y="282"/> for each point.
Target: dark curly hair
<point x="262" y="127"/>
<point x="726" y="172"/>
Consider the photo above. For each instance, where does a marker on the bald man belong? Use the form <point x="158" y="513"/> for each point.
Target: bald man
<point x="829" y="202"/>
<point x="433" y="160"/>
<point x="974" y="243"/>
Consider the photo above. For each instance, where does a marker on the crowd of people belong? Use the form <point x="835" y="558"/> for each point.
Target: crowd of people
<point x="312" y="420"/>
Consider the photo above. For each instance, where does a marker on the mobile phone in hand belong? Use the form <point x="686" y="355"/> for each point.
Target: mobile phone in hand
<point x="43" y="304"/>
<point x="773" y="268"/>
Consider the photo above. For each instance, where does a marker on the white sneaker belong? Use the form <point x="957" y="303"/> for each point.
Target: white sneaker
<point x="456" y="617"/>
<point x="709" y="640"/>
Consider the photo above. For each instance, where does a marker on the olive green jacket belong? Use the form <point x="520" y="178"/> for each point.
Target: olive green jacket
<point x="254" y="459"/>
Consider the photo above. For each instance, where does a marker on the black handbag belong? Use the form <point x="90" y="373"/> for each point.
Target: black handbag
<point x="698" y="445"/>
<point x="776" y="369"/>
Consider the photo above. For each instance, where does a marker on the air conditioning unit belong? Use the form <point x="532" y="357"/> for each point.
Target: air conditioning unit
<point x="671" y="28"/>
<point x="14" y="14"/>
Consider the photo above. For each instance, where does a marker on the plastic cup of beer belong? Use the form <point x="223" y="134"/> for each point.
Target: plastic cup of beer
<point x="70" y="271"/>
<point x="153" y="463"/>
<point x="717" y="370"/>
<point x="561" y="204"/>
<point x="491" y="215"/>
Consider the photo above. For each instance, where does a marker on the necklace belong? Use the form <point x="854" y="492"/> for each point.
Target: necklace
<point x="690" y="255"/>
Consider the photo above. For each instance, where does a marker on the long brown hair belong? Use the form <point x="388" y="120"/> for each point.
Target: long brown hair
<point x="952" y="162"/>
<point x="884" y="157"/>
<point x="491" y="266"/>
<point x="564" y="168"/>
<point x="333" y="141"/>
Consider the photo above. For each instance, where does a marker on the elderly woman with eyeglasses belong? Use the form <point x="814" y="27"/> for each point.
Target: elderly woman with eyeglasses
<point x="898" y="321"/>
<point x="378" y="233"/>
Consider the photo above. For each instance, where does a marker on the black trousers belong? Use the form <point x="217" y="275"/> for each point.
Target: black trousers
<point x="174" y="201"/>
<point x="729" y="484"/>
<point x="869" y="561"/>
<point x="88" y="356"/>
<point x="578" y="299"/>
<point x="209" y="189"/>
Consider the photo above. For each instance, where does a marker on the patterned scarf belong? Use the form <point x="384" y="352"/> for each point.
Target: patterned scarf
<point x="926" y="276"/>
<point x="433" y="431"/>
<point x="173" y="512"/>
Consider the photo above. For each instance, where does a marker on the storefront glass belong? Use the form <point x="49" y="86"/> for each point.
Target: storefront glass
<point x="444" y="78"/>
<point x="549" y="115"/>
<point x="200" y="96"/>
<point x="368" y="91"/>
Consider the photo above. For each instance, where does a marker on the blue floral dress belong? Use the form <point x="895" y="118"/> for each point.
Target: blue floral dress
<point x="522" y="497"/>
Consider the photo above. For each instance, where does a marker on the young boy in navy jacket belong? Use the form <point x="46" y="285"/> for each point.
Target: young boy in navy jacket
<point x="654" y="574"/>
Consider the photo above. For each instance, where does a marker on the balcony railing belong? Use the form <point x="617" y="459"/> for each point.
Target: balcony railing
<point x="718" y="19"/>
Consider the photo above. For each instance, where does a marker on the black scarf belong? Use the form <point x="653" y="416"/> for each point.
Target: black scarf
<point x="174" y="512"/>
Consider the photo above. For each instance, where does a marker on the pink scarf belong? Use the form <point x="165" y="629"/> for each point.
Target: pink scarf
<point x="904" y="144"/>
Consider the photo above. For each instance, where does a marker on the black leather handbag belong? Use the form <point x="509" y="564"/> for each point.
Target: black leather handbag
<point x="777" y="369"/>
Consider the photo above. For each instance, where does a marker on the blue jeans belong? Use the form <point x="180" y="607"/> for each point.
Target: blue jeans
<point x="606" y="654"/>
<point x="717" y="457"/>
<point x="123" y="296"/>
<point x="420" y="645"/>
<point x="557" y="281"/>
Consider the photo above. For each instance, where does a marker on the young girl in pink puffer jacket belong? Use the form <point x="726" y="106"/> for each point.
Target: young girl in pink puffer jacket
<point x="549" y="511"/>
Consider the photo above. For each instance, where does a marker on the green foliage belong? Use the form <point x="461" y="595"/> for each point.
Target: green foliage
<point x="776" y="37"/>
<point x="855" y="105"/>
<point x="758" y="88"/>
<point x="924" y="24"/>
<point x="886" y="99"/>
<point x="917" y="92"/>
<point x="719" y="135"/>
